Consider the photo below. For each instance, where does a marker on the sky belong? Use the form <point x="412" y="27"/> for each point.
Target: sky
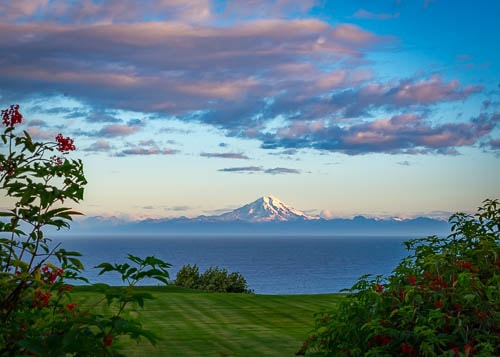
<point x="180" y="108"/>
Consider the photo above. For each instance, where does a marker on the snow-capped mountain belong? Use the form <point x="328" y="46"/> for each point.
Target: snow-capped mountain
<point x="265" y="209"/>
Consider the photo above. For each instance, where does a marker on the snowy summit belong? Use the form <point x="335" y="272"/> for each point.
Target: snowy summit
<point x="266" y="209"/>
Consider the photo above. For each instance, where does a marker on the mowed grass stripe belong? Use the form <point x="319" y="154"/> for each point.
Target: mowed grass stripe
<point x="209" y="324"/>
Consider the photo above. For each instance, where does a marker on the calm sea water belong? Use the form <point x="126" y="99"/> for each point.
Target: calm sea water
<point x="271" y="265"/>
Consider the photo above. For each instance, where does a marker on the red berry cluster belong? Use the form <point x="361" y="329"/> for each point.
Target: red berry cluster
<point x="11" y="116"/>
<point x="64" y="145"/>
<point x="407" y="349"/>
<point x="41" y="299"/>
<point x="50" y="275"/>
<point x="107" y="340"/>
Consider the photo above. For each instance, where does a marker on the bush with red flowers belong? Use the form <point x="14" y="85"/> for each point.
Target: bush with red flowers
<point x="38" y="314"/>
<point x="441" y="300"/>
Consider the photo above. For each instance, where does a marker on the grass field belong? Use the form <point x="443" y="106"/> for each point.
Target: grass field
<point x="193" y="323"/>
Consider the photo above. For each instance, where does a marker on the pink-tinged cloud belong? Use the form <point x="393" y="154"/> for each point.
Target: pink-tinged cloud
<point x="115" y="130"/>
<point x="21" y="8"/>
<point x="353" y="34"/>
<point x="40" y="133"/>
<point x="110" y="11"/>
<point x="407" y="133"/>
<point x="100" y="145"/>
<point x="177" y="68"/>
<point x="405" y="93"/>
<point x="237" y="76"/>
<point x="265" y="8"/>
<point x="432" y="90"/>
<point x="364" y="14"/>
<point x="228" y="90"/>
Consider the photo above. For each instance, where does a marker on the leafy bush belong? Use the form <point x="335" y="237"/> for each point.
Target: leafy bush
<point x="38" y="314"/>
<point x="442" y="300"/>
<point x="188" y="276"/>
<point x="213" y="279"/>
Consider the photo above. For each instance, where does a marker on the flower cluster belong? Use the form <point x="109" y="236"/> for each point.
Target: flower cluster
<point x="11" y="116"/>
<point x="64" y="145"/>
<point x="50" y="274"/>
<point x="41" y="299"/>
<point x="407" y="349"/>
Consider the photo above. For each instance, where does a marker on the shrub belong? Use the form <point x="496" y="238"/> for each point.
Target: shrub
<point x="188" y="276"/>
<point x="214" y="279"/>
<point x="38" y="314"/>
<point x="442" y="300"/>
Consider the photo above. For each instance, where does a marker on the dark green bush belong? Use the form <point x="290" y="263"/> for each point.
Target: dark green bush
<point x="442" y="300"/>
<point x="214" y="279"/>
<point x="188" y="276"/>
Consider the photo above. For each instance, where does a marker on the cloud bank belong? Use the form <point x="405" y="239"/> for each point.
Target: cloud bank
<point x="237" y="69"/>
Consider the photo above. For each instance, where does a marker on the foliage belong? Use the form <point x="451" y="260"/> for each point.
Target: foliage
<point x="442" y="300"/>
<point x="214" y="279"/>
<point x="188" y="276"/>
<point x="38" y="314"/>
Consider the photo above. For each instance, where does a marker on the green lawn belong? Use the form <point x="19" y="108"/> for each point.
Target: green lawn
<point x="192" y="323"/>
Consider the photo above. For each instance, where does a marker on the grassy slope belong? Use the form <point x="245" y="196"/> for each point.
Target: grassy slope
<point x="208" y="324"/>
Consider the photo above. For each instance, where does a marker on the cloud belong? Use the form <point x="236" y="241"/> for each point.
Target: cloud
<point x="145" y="151"/>
<point x="100" y="117"/>
<point x="225" y="155"/>
<point x="412" y="92"/>
<point x="100" y="145"/>
<point x="404" y="163"/>
<point x="146" y="65"/>
<point x="37" y="122"/>
<point x="253" y="169"/>
<point x="116" y="130"/>
<point x="178" y="208"/>
<point x="236" y="67"/>
<point x="364" y="14"/>
<point x="288" y="152"/>
<point x="145" y="148"/>
<point x="244" y="10"/>
<point x="21" y="8"/>
<point x="41" y="133"/>
<point x="112" y="11"/>
<point x="406" y="133"/>
<point x="281" y="170"/>
<point x="250" y="169"/>
<point x="494" y="144"/>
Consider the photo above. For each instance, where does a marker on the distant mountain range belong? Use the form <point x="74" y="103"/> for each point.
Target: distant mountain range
<point x="266" y="215"/>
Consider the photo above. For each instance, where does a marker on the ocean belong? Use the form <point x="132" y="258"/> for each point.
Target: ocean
<point x="271" y="265"/>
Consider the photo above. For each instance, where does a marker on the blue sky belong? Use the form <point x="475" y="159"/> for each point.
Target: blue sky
<point x="339" y="108"/>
